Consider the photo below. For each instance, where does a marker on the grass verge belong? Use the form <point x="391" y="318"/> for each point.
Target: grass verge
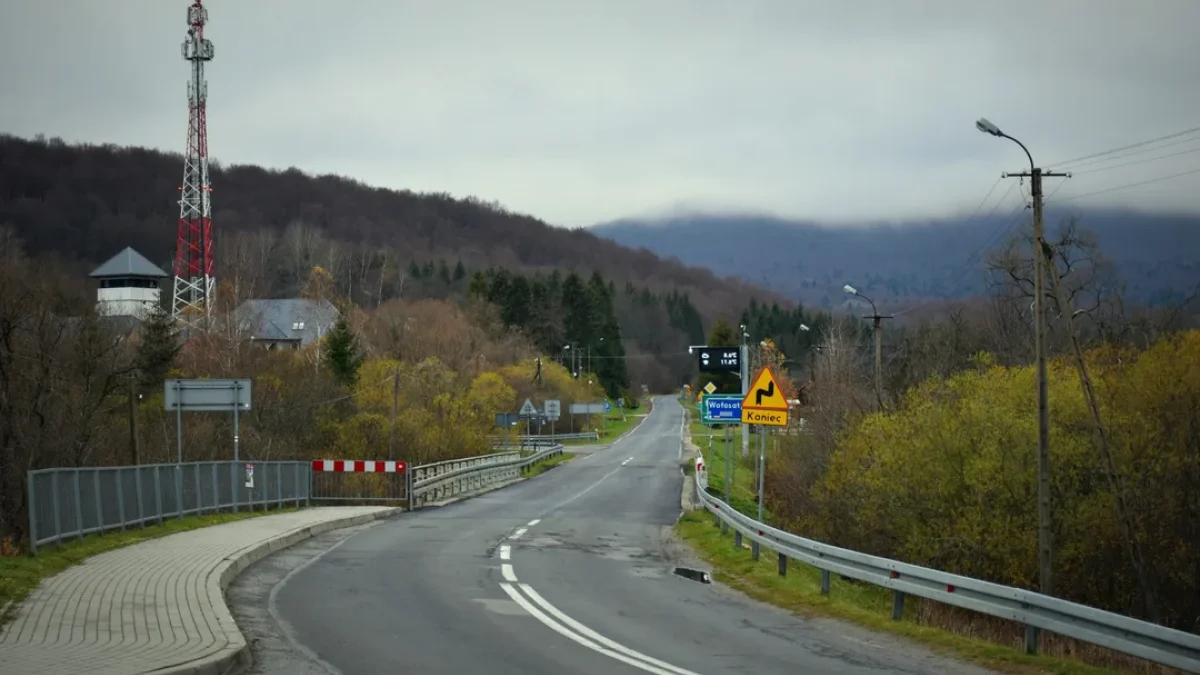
<point x="21" y="574"/>
<point x="863" y="604"/>
<point x="547" y="464"/>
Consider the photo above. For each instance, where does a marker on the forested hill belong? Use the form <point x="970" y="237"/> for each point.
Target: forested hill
<point x="86" y="202"/>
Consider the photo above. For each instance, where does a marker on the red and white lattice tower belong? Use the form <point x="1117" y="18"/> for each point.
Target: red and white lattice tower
<point x="194" y="281"/>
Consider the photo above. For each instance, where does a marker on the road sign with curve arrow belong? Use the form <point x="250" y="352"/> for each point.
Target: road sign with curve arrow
<point x="765" y="402"/>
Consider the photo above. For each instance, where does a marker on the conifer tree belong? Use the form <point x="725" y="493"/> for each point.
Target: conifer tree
<point x="343" y="352"/>
<point x="159" y="345"/>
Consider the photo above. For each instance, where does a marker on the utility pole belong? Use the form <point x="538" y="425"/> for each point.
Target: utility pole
<point x="395" y="413"/>
<point x="134" y="454"/>
<point x="1045" y="532"/>
<point x="876" y="319"/>
<point x="744" y="362"/>
<point x="1045" y="510"/>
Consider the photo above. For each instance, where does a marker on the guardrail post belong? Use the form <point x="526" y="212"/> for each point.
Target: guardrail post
<point x="897" y="605"/>
<point x="99" y="505"/>
<point x="32" y="512"/>
<point x="782" y="565"/>
<point x="78" y="506"/>
<point x="754" y="550"/>
<point x="54" y="501"/>
<point x="737" y="538"/>
<point x="120" y="498"/>
<point x="825" y="579"/>
<point x="1031" y="639"/>
<point x="137" y="479"/>
<point x="158" y="493"/>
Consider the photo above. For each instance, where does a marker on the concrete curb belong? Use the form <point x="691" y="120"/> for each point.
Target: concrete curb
<point x="687" y="498"/>
<point x="236" y="653"/>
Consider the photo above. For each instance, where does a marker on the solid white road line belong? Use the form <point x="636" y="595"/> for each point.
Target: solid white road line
<point x="517" y="535"/>
<point x="535" y="521"/>
<point x="591" y="634"/>
<point x="560" y="629"/>
<point x="507" y="571"/>
<point x="505" y="552"/>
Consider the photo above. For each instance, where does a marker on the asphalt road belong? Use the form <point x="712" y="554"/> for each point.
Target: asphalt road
<point x="570" y="572"/>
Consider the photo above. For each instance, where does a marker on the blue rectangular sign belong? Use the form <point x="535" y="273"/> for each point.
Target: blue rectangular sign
<point x="721" y="409"/>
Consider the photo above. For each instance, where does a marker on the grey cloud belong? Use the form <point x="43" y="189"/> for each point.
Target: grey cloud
<point x="586" y="111"/>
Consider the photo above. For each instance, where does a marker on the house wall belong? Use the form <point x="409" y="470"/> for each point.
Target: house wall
<point x="126" y="301"/>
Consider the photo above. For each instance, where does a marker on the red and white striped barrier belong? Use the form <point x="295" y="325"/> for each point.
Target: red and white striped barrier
<point x="358" y="466"/>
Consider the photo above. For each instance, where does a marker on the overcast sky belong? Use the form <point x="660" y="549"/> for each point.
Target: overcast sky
<point x="580" y="112"/>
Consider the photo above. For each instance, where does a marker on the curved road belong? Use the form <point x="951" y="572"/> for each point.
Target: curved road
<point x="568" y="573"/>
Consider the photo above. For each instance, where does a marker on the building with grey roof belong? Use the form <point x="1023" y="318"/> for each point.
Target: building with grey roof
<point x="286" y="322"/>
<point x="129" y="285"/>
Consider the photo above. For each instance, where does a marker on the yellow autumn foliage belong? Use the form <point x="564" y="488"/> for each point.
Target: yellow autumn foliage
<point x="948" y="479"/>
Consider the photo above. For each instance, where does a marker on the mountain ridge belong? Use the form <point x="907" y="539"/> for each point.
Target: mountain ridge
<point x="912" y="262"/>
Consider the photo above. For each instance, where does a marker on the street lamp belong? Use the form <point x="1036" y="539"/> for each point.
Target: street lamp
<point x="1039" y="259"/>
<point x="876" y="319"/>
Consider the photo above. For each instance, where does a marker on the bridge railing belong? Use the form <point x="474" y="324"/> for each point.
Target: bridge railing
<point x="446" y="480"/>
<point x="69" y="503"/>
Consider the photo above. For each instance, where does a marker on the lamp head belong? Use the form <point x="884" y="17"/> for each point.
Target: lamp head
<point x="987" y="127"/>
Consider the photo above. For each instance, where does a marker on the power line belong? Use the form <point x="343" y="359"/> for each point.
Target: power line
<point x="1097" y="161"/>
<point x="1127" y="186"/>
<point x="1140" y="161"/>
<point x="1131" y="146"/>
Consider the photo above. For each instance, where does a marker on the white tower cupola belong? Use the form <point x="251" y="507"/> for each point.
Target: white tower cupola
<point x="129" y="285"/>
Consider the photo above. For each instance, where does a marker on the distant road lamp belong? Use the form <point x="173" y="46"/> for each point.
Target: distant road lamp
<point x="812" y="355"/>
<point x="876" y="318"/>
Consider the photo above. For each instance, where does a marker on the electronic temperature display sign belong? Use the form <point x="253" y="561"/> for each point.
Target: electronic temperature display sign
<point x="719" y="360"/>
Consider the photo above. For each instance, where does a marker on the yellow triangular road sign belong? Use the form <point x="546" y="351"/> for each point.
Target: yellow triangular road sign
<point x="765" y="393"/>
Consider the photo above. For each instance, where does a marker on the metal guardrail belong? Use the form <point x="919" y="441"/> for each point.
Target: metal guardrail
<point x="542" y="441"/>
<point x="73" y="502"/>
<point x="443" y="480"/>
<point x="1143" y="639"/>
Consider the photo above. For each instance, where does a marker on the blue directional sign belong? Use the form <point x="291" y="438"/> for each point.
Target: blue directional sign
<point x="721" y="409"/>
<point x="607" y="406"/>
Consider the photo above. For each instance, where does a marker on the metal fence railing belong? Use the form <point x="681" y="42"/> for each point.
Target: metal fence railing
<point x="543" y="441"/>
<point x="73" y="502"/>
<point x="1036" y="611"/>
<point x="70" y="503"/>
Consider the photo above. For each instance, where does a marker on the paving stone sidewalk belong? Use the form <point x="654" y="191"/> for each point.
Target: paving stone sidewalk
<point x="157" y="606"/>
